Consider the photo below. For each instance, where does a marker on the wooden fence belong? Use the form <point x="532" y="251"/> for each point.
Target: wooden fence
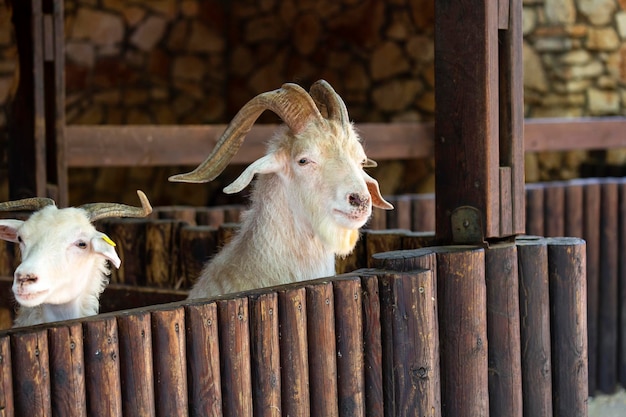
<point x="431" y="331"/>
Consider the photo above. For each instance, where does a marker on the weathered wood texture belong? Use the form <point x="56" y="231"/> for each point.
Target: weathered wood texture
<point x="568" y="321"/>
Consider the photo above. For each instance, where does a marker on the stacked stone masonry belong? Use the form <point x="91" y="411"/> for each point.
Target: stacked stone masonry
<point x="199" y="61"/>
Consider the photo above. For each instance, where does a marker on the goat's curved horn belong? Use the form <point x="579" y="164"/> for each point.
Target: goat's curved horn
<point x="324" y="95"/>
<point x="97" y="211"/>
<point x="34" y="203"/>
<point x="290" y="102"/>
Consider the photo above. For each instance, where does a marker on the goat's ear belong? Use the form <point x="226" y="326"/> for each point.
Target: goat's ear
<point x="103" y="245"/>
<point x="266" y="165"/>
<point x="377" y="199"/>
<point x="8" y="229"/>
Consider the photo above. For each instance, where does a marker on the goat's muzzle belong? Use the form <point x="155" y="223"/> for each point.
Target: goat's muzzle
<point x="26" y="279"/>
<point x="358" y="200"/>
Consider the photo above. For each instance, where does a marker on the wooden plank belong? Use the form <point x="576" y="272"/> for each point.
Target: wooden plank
<point x="102" y="367"/>
<point x="293" y="352"/>
<point x="466" y="120"/>
<point x="534" y="301"/>
<point x="535" y="220"/>
<point x="123" y="297"/>
<point x="511" y="109"/>
<point x="503" y="331"/>
<point x="325" y="349"/>
<point x="506" y="202"/>
<point x="608" y="288"/>
<point x="185" y="214"/>
<point x="554" y="209"/>
<point x="350" y="360"/>
<point x="156" y="145"/>
<point x="372" y="347"/>
<point x="591" y="234"/>
<point x="574" y="203"/>
<point x="31" y="373"/>
<point x="168" y="335"/>
<point x="67" y="365"/>
<point x="203" y="364"/>
<point x="136" y="364"/>
<point x="622" y="283"/>
<point x="463" y="331"/>
<point x="568" y="322"/>
<point x="7" y="407"/>
<point x="265" y="353"/>
<point x="235" y="342"/>
<point x="162" y="237"/>
<point x="560" y="134"/>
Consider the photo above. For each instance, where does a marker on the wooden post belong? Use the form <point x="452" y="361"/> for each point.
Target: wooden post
<point x="554" y="209"/>
<point x="622" y="284"/>
<point x="568" y="321"/>
<point x="168" y="335"/>
<point x="102" y="367"/>
<point x="534" y="301"/>
<point x="293" y="352"/>
<point x="203" y="363"/>
<point x="31" y="375"/>
<point x="136" y="364"/>
<point x="462" y="308"/>
<point x="503" y="331"/>
<point x="534" y="210"/>
<point x="67" y="365"/>
<point x="265" y="354"/>
<point x="323" y="383"/>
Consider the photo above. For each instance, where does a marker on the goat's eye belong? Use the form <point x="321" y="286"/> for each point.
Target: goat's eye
<point x="81" y="244"/>
<point x="303" y="161"/>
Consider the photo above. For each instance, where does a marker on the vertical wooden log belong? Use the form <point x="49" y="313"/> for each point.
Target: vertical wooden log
<point x="378" y="221"/>
<point x="197" y="245"/>
<point x="102" y="368"/>
<point x="622" y="284"/>
<point x="463" y="332"/>
<point x="7" y="407"/>
<point x="423" y="212"/>
<point x="136" y="364"/>
<point x="185" y="214"/>
<point x="203" y="360"/>
<point x="168" y="335"/>
<point x="535" y="222"/>
<point x="400" y="216"/>
<point x="591" y="234"/>
<point x="554" y="209"/>
<point x="323" y="356"/>
<point x="162" y="253"/>
<point x="534" y="301"/>
<point x="424" y="371"/>
<point x="130" y="237"/>
<point x="372" y="347"/>
<point x="608" y="289"/>
<point x="67" y="365"/>
<point x="503" y="331"/>
<point x="574" y="204"/>
<point x="417" y="240"/>
<point x="235" y="357"/>
<point x="7" y="258"/>
<point x="31" y="375"/>
<point x="568" y="322"/>
<point x="210" y="216"/>
<point x="293" y="352"/>
<point x="265" y="352"/>
<point x="378" y="241"/>
<point x="350" y="359"/>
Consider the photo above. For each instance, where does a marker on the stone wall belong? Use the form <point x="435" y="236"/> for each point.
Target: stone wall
<point x="199" y="61"/>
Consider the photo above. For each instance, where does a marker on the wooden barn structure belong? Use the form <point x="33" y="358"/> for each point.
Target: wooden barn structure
<point x="478" y="321"/>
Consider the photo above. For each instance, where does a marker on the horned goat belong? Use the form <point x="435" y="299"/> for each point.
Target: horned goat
<point x="310" y="197"/>
<point x="63" y="269"/>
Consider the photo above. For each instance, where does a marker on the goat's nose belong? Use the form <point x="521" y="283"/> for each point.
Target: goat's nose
<point x="358" y="199"/>
<point x="26" y="278"/>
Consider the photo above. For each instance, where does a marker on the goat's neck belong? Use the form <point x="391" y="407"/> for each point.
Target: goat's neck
<point x="72" y="310"/>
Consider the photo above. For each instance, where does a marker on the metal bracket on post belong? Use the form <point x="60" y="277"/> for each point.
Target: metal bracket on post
<point x="467" y="225"/>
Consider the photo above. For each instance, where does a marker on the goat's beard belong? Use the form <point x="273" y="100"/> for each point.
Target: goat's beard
<point x="340" y="240"/>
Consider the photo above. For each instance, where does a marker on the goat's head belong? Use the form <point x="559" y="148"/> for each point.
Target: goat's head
<point x="61" y="248"/>
<point x="319" y="158"/>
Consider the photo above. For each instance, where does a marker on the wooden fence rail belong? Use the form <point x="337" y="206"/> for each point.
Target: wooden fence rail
<point x="428" y="331"/>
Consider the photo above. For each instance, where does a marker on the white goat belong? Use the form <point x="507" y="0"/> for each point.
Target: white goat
<point x="63" y="269"/>
<point x="310" y="197"/>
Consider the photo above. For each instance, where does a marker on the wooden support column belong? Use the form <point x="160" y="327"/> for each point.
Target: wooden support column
<point x="479" y="121"/>
<point x="37" y="165"/>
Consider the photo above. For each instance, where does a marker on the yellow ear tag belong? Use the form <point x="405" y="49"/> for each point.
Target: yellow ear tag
<point x="108" y="240"/>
